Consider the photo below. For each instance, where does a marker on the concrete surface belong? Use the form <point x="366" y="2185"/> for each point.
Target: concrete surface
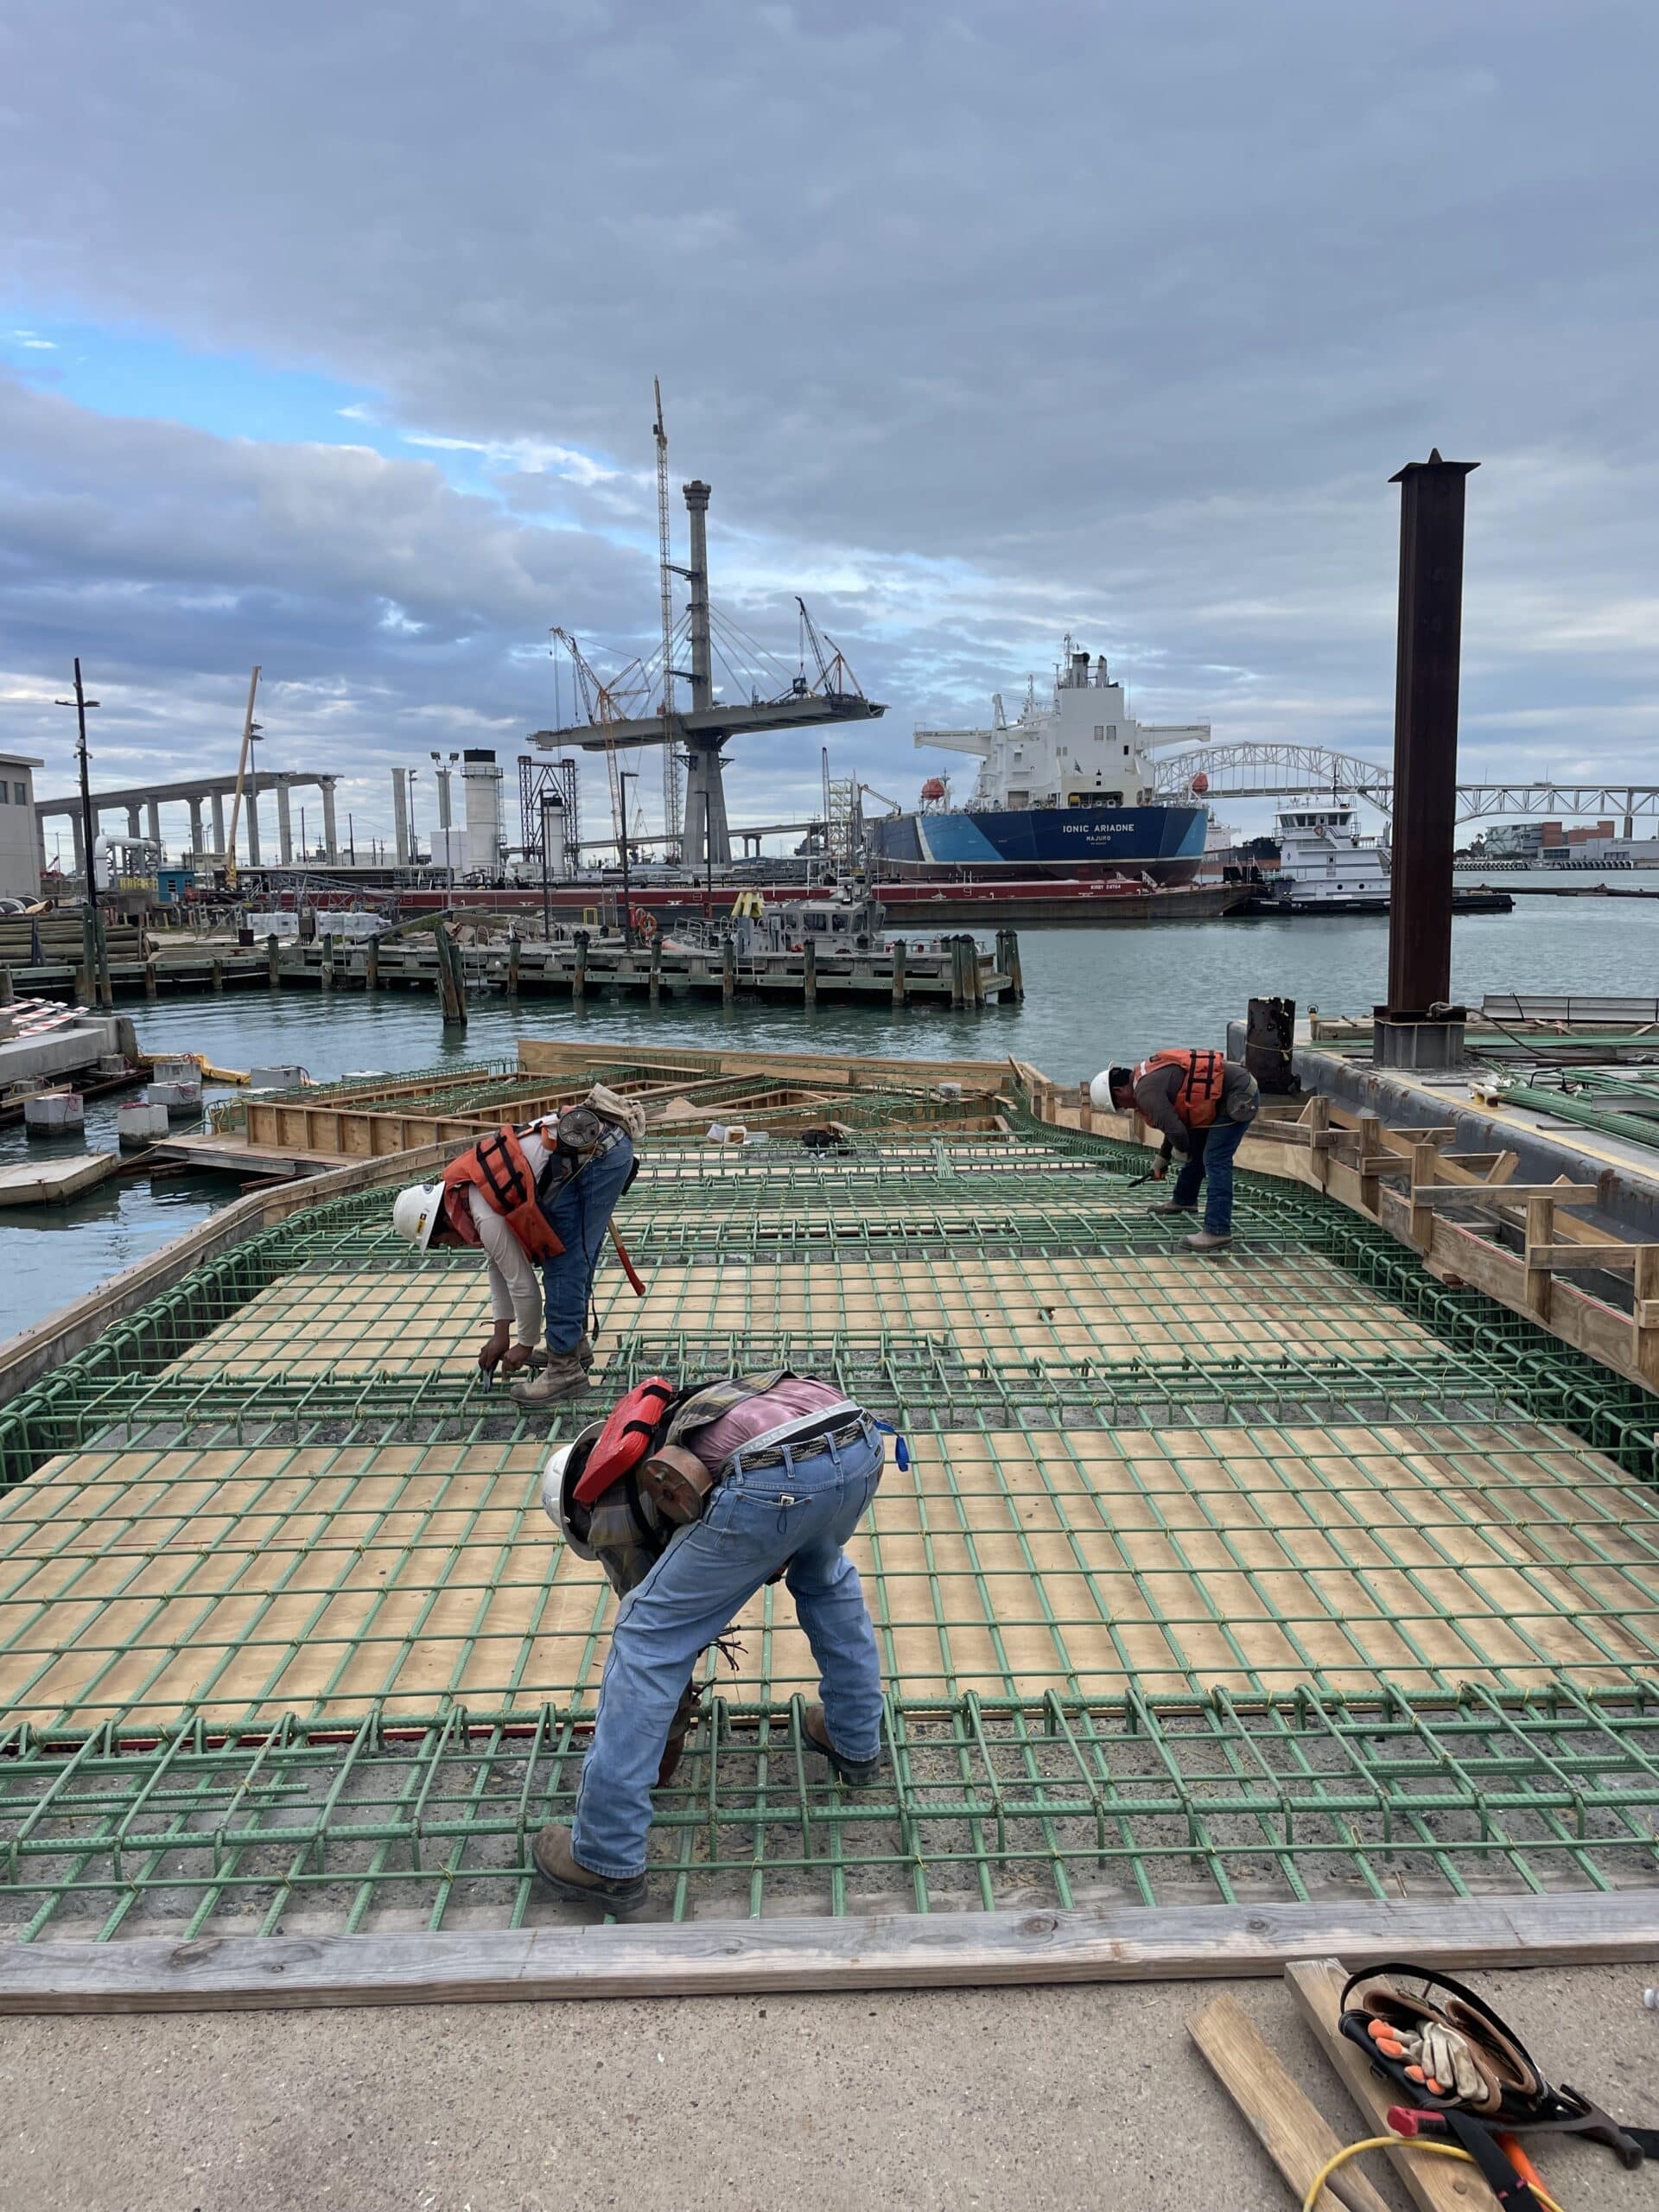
<point x="1020" y="2098"/>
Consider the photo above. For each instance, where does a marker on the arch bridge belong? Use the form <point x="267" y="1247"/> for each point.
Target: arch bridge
<point x="1262" y="771"/>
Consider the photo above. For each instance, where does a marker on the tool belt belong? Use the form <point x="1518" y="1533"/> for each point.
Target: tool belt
<point x="1504" y="2090"/>
<point x="802" y="1446"/>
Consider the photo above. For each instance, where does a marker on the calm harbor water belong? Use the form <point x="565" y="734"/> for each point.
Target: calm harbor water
<point x="1093" y="996"/>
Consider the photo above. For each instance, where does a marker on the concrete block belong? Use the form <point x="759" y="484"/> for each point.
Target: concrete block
<point x="55" y="1113"/>
<point x="278" y="1077"/>
<point x="139" y="1123"/>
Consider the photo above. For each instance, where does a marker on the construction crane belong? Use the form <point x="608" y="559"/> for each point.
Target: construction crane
<point x="671" y="757"/>
<point x="836" y="680"/>
<point x="599" y="707"/>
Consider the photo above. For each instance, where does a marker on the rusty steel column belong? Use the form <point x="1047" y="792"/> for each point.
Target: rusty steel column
<point x="1425" y="737"/>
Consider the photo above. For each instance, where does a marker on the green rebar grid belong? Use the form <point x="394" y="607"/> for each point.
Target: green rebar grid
<point x="1332" y="1582"/>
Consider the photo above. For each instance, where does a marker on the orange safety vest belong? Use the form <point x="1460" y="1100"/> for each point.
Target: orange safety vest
<point x="497" y="1165"/>
<point x="1198" y="1096"/>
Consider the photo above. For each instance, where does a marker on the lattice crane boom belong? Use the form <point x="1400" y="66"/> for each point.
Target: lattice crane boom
<point x="671" y="756"/>
<point x="599" y="706"/>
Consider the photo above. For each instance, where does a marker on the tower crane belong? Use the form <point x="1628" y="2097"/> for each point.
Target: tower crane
<point x="671" y="756"/>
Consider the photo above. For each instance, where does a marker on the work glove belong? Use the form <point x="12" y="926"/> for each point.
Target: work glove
<point x="1436" y="2056"/>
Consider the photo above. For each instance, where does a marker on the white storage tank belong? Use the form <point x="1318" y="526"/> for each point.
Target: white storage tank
<point x="480" y="779"/>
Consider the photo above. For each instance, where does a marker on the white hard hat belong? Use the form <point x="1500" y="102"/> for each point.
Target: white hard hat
<point x="1100" y="1092"/>
<point x="416" y="1212"/>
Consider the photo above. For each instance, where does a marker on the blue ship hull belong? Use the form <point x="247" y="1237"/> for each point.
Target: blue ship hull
<point x="1165" y="843"/>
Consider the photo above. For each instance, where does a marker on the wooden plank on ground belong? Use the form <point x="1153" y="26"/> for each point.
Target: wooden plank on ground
<point x="1434" y="2184"/>
<point x="884" y="1951"/>
<point x="54" y="1182"/>
<point x="1290" y="2131"/>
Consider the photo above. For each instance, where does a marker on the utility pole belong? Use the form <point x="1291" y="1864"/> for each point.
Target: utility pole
<point x="82" y="703"/>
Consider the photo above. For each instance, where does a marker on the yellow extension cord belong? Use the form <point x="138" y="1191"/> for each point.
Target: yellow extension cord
<point x="1402" y="2143"/>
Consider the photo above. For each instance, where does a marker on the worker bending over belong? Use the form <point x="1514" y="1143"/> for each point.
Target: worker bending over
<point x="536" y="1199"/>
<point x="691" y="1499"/>
<point x="1202" y="1103"/>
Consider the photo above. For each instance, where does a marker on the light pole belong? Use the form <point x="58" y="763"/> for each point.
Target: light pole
<point x="80" y="704"/>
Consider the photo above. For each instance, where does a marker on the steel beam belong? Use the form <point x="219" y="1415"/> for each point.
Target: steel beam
<point x="1426" y="732"/>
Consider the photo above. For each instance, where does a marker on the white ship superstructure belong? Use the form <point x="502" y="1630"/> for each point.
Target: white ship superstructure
<point x="1323" y="859"/>
<point x="1081" y="746"/>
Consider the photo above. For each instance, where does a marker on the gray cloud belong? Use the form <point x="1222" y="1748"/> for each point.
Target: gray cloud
<point x="982" y="321"/>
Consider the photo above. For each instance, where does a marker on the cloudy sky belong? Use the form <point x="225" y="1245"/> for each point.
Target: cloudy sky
<point x="327" y="337"/>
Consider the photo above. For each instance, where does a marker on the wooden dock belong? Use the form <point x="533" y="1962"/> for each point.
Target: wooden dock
<point x="53" y="1182"/>
<point x="939" y="975"/>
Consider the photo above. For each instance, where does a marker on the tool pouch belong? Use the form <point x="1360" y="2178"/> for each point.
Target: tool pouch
<point x="677" y="1483"/>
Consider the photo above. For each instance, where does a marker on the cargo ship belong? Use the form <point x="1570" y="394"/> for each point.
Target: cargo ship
<point x="1065" y="788"/>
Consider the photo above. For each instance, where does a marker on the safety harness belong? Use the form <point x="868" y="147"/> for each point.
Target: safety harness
<point x="1197" y="1096"/>
<point x="1466" y="2075"/>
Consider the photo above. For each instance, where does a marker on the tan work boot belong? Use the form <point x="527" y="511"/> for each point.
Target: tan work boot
<point x="1205" y="1241"/>
<point x="563" y="1376"/>
<point x="684" y="1721"/>
<point x="857" y="1774"/>
<point x="565" y="1875"/>
<point x="541" y="1356"/>
<point x="1169" y="1205"/>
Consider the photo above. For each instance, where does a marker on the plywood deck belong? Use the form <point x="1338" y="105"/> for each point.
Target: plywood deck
<point x="1114" y="1308"/>
<point x="244" y="1583"/>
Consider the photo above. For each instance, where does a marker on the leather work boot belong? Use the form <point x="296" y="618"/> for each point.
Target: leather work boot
<point x="563" y="1376"/>
<point x="857" y="1774"/>
<point x="566" y="1876"/>
<point x="1168" y="1206"/>
<point x="1204" y="1242"/>
<point x="541" y="1356"/>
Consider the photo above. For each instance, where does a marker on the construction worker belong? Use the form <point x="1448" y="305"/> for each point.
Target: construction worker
<point x="731" y="1483"/>
<point x="1202" y="1103"/>
<point x="536" y="1199"/>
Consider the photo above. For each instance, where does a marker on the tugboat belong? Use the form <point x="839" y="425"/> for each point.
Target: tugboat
<point x="1326" y="867"/>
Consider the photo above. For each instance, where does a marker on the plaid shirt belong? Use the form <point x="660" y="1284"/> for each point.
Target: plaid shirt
<point x="624" y="1531"/>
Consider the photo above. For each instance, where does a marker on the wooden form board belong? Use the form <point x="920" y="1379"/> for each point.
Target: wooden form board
<point x="376" y="1320"/>
<point x="316" y="1579"/>
<point x="937" y="1950"/>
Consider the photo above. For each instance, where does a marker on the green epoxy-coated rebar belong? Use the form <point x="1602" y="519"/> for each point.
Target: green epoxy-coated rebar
<point x="1329" y="1580"/>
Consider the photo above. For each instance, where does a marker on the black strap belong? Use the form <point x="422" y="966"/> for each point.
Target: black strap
<point x="1506" y="2185"/>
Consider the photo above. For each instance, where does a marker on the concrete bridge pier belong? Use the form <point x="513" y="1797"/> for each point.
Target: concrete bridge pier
<point x="284" y="828"/>
<point x="252" y="799"/>
<point x="330" y="833"/>
<point x="195" y="828"/>
<point x="219" y="824"/>
<point x="153" y="825"/>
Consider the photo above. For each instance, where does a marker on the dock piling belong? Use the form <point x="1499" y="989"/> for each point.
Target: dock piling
<point x="371" y="964"/>
<point x="728" y="971"/>
<point x="900" y="991"/>
<point x="656" y="984"/>
<point x="273" y="965"/>
<point x="579" y="972"/>
<point x="809" y="974"/>
<point x="1009" y="961"/>
<point x="326" y="973"/>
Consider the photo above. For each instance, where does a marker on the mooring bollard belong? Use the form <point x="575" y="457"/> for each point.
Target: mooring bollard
<point x="899" y="988"/>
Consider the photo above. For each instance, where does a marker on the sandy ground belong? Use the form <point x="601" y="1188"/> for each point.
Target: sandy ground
<point x="1023" y="2098"/>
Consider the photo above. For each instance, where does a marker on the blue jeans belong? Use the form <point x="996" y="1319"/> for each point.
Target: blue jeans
<point x="1209" y="1159"/>
<point x="801" y="1513"/>
<point x="581" y="1215"/>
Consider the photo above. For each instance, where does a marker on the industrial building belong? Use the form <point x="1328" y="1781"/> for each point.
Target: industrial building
<point x="20" y="843"/>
